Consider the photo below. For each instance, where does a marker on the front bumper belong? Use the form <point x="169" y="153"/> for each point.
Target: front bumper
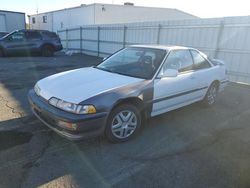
<point x="89" y="125"/>
<point x="223" y="84"/>
<point x="58" y="47"/>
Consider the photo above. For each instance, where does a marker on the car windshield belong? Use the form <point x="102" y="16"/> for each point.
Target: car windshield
<point x="9" y="34"/>
<point x="135" y="62"/>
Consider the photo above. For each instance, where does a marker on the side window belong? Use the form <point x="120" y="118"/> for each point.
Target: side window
<point x="199" y="61"/>
<point x="50" y="34"/>
<point x="33" y="35"/>
<point x="180" y="60"/>
<point x="44" y="19"/>
<point x="33" y="20"/>
<point x="17" y="36"/>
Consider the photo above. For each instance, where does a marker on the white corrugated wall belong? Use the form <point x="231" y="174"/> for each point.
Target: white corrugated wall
<point x="224" y="38"/>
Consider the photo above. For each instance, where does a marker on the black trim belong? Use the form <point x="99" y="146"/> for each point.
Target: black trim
<point x="178" y="95"/>
<point x="223" y="82"/>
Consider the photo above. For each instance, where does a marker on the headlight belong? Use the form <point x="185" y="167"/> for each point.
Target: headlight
<point x="37" y="89"/>
<point x="71" y="107"/>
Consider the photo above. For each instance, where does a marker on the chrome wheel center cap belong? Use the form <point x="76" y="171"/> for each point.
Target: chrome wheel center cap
<point x="125" y="125"/>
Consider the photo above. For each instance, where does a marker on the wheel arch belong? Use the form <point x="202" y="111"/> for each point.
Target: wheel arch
<point x="137" y="102"/>
<point x="48" y="44"/>
<point x="216" y="82"/>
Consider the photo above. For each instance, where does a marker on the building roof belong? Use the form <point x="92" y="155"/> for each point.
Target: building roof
<point x="12" y="12"/>
<point x="93" y="4"/>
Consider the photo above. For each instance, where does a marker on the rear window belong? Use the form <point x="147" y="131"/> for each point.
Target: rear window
<point x="199" y="61"/>
<point x="33" y="35"/>
<point x="50" y="34"/>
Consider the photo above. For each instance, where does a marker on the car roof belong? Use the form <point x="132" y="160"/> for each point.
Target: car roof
<point x="34" y="30"/>
<point x="162" y="47"/>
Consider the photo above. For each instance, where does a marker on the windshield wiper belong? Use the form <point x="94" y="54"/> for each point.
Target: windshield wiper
<point x="104" y="69"/>
<point x="123" y="74"/>
<point x="133" y="76"/>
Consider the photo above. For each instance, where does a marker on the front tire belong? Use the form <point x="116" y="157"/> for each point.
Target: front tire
<point x="47" y="51"/>
<point x="211" y="95"/>
<point x="124" y="123"/>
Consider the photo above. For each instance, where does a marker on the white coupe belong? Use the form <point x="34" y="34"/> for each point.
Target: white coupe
<point x="117" y="96"/>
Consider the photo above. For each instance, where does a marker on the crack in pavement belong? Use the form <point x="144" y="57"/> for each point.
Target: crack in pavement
<point x="143" y="162"/>
<point x="22" y="117"/>
<point x="33" y="162"/>
<point x="215" y="137"/>
<point x="20" y="114"/>
<point x="189" y="149"/>
<point x="25" y="160"/>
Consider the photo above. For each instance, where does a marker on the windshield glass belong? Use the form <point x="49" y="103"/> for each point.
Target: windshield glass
<point x="8" y="34"/>
<point x="135" y="62"/>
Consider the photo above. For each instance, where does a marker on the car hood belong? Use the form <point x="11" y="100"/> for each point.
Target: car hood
<point x="78" y="85"/>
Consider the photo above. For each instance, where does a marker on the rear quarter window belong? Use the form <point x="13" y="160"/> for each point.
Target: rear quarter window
<point x="199" y="61"/>
<point x="50" y="34"/>
<point x="180" y="60"/>
<point x="33" y="35"/>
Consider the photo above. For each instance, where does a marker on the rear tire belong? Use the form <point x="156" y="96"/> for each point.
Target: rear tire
<point x="211" y="95"/>
<point x="47" y="51"/>
<point x="124" y="122"/>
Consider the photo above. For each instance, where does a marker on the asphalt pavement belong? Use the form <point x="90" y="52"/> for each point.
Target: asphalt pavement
<point x="192" y="147"/>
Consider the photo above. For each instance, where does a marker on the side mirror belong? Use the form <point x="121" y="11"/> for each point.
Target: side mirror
<point x="169" y="73"/>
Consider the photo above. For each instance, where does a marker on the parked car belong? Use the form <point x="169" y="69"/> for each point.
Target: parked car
<point x="29" y="42"/>
<point x="118" y="95"/>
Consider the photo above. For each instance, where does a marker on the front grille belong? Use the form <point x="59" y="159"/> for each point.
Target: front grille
<point x="46" y="118"/>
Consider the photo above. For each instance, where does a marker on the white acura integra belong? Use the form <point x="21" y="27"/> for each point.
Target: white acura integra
<point x="117" y="96"/>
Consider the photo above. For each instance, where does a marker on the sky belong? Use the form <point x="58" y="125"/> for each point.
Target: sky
<point x="200" y="8"/>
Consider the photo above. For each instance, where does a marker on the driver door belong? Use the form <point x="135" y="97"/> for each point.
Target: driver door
<point x="173" y="92"/>
<point x="15" y="43"/>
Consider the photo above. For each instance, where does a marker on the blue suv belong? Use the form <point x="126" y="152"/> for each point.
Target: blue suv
<point x="30" y="42"/>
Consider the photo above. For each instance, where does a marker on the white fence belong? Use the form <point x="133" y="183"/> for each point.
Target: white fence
<point x="224" y="38"/>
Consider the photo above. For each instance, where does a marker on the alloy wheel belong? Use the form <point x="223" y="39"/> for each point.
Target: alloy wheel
<point x="211" y="95"/>
<point x="124" y="124"/>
